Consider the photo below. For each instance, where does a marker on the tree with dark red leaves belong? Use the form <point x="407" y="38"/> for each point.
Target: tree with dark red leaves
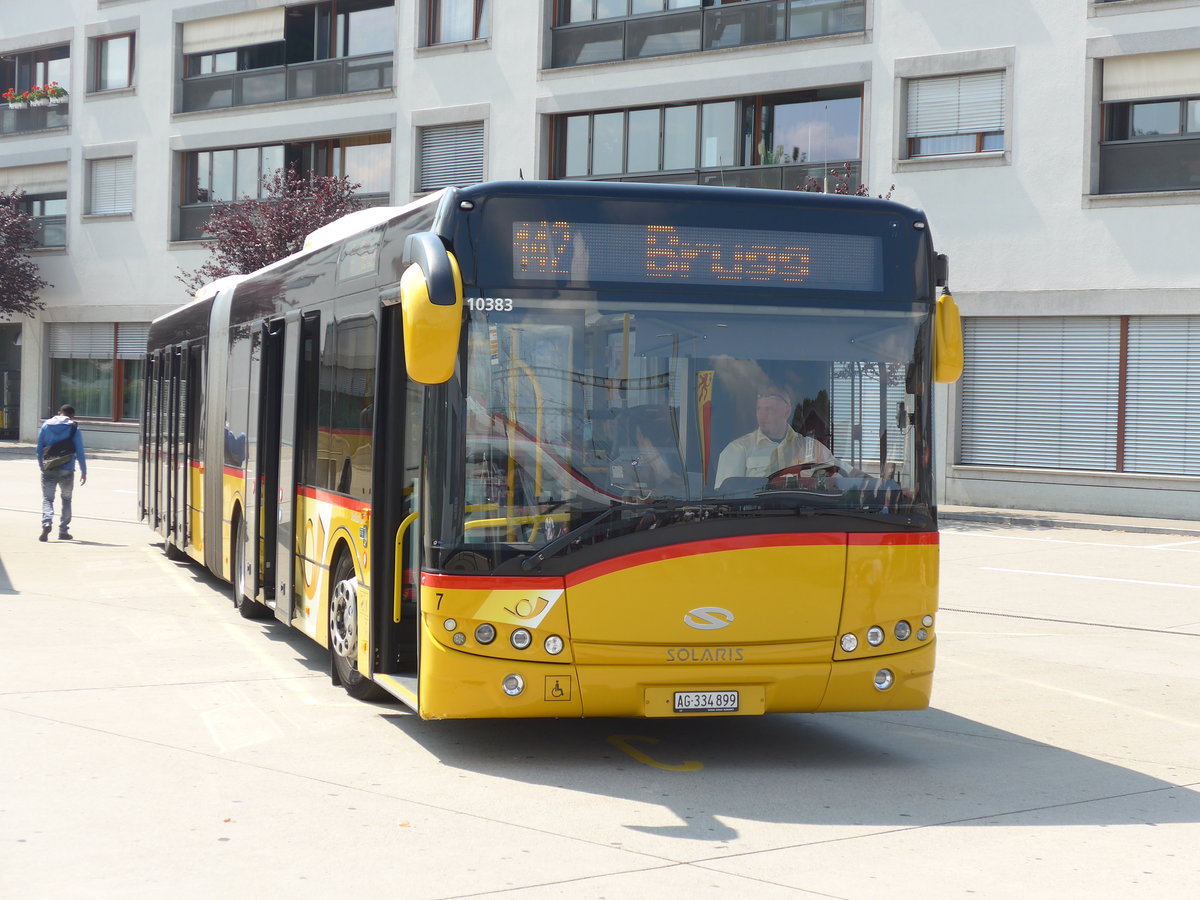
<point x="20" y="280"/>
<point x="245" y="235"/>
<point x="839" y="185"/>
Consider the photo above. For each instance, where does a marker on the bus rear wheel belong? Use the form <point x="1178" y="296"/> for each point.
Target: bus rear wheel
<point x="343" y="633"/>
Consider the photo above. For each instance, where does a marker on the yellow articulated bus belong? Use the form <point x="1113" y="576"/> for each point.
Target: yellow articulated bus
<point x="574" y="449"/>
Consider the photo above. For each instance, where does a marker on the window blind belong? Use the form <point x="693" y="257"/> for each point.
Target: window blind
<point x="957" y="104"/>
<point x="111" y="186"/>
<point x="1040" y="392"/>
<point x="50" y="178"/>
<point x="240" y="30"/>
<point x="131" y="340"/>
<point x="1147" y="75"/>
<point x="81" y="340"/>
<point x="450" y="155"/>
<point x="1162" y="395"/>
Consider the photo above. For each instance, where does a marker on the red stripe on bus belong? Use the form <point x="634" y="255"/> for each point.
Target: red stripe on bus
<point x="676" y="551"/>
<point x="313" y="493"/>
<point x="487" y="582"/>
<point x="699" y="548"/>
<point x="235" y="473"/>
<point x="908" y="539"/>
<point x="196" y="464"/>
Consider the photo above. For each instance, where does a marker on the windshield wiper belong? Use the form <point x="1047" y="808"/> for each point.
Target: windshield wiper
<point x="559" y="543"/>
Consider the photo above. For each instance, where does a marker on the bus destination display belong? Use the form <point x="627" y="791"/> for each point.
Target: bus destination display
<point x="593" y="252"/>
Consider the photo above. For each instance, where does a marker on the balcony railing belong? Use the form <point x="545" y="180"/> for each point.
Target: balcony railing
<point x="786" y="178"/>
<point x="50" y="231"/>
<point x="1131" y="167"/>
<point x="35" y="118"/>
<point x="694" y="30"/>
<point x="326" y="78"/>
<point x="193" y="215"/>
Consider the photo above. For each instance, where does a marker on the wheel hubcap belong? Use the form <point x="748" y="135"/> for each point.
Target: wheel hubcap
<point x="343" y="619"/>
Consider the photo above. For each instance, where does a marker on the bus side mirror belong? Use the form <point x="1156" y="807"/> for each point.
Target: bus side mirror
<point x="947" y="341"/>
<point x="431" y="298"/>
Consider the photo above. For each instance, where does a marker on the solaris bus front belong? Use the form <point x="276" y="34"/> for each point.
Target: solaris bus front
<point x="678" y="456"/>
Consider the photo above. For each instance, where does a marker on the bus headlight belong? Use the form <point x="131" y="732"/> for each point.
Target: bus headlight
<point x="903" y="630"/>
<point x="874" y="635"/>
<point x="512" y="684"/>
<point x="521" y="638"/>
<point x="554" y="645"/>
<point x="485" y="633"/>
<point x="884" y="679"/>
<point x="849" y="643"/>
<point x="927" y="621"/>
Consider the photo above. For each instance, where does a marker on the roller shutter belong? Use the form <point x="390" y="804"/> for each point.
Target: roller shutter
<point x="1162" y="418"/>
<point x="1040" y="392"/>
<point x="451" y="155"/>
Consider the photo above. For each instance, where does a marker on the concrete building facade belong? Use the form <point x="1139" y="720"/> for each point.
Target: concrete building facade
<point x="1054" y="144"/>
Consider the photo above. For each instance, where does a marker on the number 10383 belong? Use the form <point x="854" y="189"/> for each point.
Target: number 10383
<point x="489" y="304"/>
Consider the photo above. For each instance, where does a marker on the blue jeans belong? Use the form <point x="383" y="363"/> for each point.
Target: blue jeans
<point x="62" y="478"/>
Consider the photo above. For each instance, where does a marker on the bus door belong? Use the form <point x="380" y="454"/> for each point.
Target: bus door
<point x="150" y="459"/>
<point x="193" y="394"/>
<point x="173" y="438"/>
<point x="145" y="445"/>
<point x="287" y="348"/>
<point x="265" y="508"/>
<point x="395" y="527"/>
<point x="179" y="499"/>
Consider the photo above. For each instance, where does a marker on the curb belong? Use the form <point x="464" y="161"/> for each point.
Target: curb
<point x="1064" y="520"/>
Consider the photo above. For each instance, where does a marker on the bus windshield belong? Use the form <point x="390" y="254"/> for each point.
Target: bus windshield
<point x="591" y="421"/>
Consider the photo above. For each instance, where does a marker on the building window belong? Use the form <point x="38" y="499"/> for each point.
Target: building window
<point x="276" y="54"/>
<point x="97" y="368"/>
<point x="1150" y="138"/>
<point x="110" y="190"/>
<point x="450" y="155"/>
<point x="1109" y="394"/>
<point x="452" y="21"/>
<point x="956" y="114"/>
<point x="229" y="174"/>
<point x="233" y="174"/>
<point x="49" y="212"/>
<point x="592" y="31"/>
<point x="297" y="35"/>
<point x="21" y="71"/>
<point x="112" y="62"/>
<point x="768" y="140"/>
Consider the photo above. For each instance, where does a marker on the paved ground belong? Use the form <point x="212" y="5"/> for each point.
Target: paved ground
<point x="155" y="744"/>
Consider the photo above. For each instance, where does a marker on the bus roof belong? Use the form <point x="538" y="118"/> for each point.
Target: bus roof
<point x="684" y="194"/>
<point x="359" y="221"/>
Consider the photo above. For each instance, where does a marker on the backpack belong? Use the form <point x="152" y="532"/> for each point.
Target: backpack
<point x="60" y="452"/>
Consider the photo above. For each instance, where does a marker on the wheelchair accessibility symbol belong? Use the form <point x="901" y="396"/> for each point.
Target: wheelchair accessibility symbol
<point x="558" y="687"/>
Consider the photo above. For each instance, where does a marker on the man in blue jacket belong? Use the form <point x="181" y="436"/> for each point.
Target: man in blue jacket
<point x="59" y="446"/>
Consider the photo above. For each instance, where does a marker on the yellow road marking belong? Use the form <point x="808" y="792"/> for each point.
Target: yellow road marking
<point x="623" y="742"/>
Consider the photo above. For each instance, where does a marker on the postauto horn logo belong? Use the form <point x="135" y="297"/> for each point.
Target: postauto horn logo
<point x="708" y="618"/>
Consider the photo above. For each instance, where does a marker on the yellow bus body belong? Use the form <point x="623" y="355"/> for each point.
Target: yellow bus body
<point x="781" y="651"/>
<point x="327" y="525"/>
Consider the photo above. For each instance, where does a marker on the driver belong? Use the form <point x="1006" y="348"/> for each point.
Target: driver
<point x="773" y="445"/>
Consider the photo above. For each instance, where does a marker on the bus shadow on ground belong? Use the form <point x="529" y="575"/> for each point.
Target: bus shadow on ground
<point x="897" y="769"/>
<point x="309" y="654"/>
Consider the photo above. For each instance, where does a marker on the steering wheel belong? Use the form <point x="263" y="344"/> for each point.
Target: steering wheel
<point x="810" y="467"/>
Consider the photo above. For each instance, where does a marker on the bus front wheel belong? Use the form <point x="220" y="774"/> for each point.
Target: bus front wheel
<point x="343" y="633"/>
